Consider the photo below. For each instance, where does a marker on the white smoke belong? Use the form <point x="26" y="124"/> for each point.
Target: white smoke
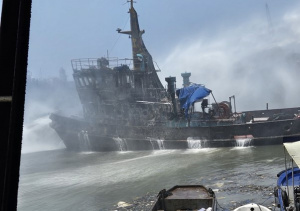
<point x="38" y="136"/>
<point x="252" y="61"/>
<point x="43" y="98"/>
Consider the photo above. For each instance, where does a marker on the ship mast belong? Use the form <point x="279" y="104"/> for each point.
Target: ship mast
<point x="142" y="60"/>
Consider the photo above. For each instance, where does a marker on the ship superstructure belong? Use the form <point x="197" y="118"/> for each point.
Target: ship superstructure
<point x="126" y="107"/>
<point x="113" y="93"/>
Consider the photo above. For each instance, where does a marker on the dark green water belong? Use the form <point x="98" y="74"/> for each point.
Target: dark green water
<point x="61" y="180"/>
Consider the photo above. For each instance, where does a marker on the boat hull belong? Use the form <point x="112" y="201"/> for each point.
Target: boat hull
<point x="252" y="207"/>
<point x="185" y="197"/>
<point x="79" y="135"/>
<point x="287" y="183"/>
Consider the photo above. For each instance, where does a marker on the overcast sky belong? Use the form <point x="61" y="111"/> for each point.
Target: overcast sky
<point x="228" y="45"/>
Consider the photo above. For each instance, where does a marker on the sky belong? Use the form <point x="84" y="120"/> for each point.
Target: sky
<point x="232" y="46"/>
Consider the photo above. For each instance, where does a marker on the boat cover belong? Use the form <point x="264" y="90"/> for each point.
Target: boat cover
<point x="189" y="95"/>
<point x="293" y="149"/>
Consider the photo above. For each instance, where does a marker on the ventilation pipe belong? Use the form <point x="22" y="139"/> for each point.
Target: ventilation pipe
<point x="186" y="79"/>
<point x="171" y="90"/>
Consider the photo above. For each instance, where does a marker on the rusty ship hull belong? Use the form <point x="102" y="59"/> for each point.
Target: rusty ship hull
<point x="108" y="137"/>
<point x="126" y="107"/>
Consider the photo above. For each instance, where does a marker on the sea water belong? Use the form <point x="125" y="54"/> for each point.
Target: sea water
<point x="63" y="180"/>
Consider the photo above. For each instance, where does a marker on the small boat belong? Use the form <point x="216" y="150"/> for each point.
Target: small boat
<point x="287" y="191"/>
<point x="185" y="197"/>
<point x="252" y="207"/>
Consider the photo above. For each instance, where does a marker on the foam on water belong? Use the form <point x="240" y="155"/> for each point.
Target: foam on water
<point x="201" y="150"/>
<point x="164" y="152"/>
<point x="124" y="152"/>
<point x="121" y="143"/>
<point x="134" y="159"/>
<point x="87" y="152"/>
<point x="157" y="143"/>
<point x="39" y="136"/>
<point x="196" y="143"/>
<point x="243" y="142"/>
<point x="84" y="141"/>
<point x="154" y="153"/>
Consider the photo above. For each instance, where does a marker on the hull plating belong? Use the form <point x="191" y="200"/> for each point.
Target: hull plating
<point x="80" y="135"/>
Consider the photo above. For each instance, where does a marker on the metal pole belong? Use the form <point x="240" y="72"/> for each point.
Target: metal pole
<point x="293" y="182"/>
<point x="230" y="105"/>
<point x="214" y="99"/>
<point x="286" y="177"/>
<point x="234" y="104"/>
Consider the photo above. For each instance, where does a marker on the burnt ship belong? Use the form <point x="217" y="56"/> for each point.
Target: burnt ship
<point x="126" y="107"/>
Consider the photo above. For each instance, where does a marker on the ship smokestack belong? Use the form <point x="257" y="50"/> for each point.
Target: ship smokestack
<point x="186" y="79"/>
<point x="171" y="90"/>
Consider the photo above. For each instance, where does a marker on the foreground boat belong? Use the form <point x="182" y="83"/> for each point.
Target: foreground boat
<point x="252" y="207"/>
<point x="287" y="191"/>
<point x="126" y="107"/>
<point x="186" y="197"/>
<point x="194" y="197"/>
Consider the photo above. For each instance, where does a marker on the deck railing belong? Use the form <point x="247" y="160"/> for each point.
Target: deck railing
<point x="94" y="63"/>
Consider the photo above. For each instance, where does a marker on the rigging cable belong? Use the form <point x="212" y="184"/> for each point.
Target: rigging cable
<point x="259" y="207"/>
<point x="269" y="19"/>
<point x="220" y="205"/>
<point x="112" y="48"/>
<point x="263" y="203"/>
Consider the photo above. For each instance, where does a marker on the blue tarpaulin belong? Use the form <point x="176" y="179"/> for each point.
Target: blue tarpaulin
<point x="189" y="95"/>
